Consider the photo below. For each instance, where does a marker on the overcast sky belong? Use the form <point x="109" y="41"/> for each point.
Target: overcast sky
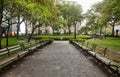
<point x="86" y="4"/>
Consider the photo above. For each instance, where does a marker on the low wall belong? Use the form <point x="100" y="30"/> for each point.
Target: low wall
<point x="8" y="61"/>
<point x="113" y="66"/>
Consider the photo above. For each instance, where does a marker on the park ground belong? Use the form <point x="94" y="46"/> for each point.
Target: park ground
<point x="60" y="59"/>
<point x="110" y="42"/>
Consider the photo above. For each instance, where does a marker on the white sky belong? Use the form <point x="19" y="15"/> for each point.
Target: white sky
<point x="86" y="4"/>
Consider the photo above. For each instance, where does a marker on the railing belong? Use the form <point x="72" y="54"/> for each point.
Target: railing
<point x="27" y="49"/>
<point x="107" y="57"/>
<point x="6" y="52"/>
<point x="103" y="51"/>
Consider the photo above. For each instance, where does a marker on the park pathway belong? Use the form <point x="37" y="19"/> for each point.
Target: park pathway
<point x="60" y="59"/>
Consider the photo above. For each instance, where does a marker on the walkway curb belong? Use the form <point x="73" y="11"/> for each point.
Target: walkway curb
<point x="8" y="61"/>
<point x="113" y="66"/>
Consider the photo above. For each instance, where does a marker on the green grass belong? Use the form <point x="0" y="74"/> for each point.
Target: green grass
<point x="12" y="42"/>
<point x="110" y="42"/>
<point x="19" y="50"/>
<point x="66" y="37"/>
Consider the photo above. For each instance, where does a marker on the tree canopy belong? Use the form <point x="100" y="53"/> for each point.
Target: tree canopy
<point x="109" y="13"/>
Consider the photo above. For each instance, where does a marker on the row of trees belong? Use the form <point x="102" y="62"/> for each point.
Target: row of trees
<point x="47" y="12"/>
<point x="15" y="12"/>
<point x="36" y="13"/>
<point x="102" y="14"/>
<point x="72" y="13"/>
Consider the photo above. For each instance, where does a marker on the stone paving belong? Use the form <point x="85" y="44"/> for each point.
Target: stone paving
<point x="60" y="59"/>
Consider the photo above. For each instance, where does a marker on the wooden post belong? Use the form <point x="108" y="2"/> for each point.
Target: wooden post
<point x="104" y="51"/>
<point x="8" y="51"/>
<point x="94" y="47"/>
<point x="87" y="44"/>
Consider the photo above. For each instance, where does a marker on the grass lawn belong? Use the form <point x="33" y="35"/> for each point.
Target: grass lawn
<point x="12" y="42"/>
<point x="110" y="42"/>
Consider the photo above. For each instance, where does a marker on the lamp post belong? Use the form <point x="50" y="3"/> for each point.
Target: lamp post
<point x="75" y="22"/>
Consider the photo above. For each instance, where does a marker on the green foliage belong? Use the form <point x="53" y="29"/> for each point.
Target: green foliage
<point x="66" y="37"/>
<point x="71" y="13"/>
<point x="102" y="14"/>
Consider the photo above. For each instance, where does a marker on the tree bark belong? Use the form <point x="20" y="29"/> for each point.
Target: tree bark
<point x="39" y="31"/>
<point x="64" y="31"/>
<point x="1" y="16"/>
<point x="7" y="32"/>
<point x="31" y="34"/>
<point x="26" y="27"/>
<point x="33" y="29"/>
<point x="0" y="38"/>
<point x="113" y="27"/>
<point x="75" y="31"/>
<point x="53" y="30"/>
<point x="86" y="30"/>
<point x="69" y="31"/>
<point x="101" y="30"/>
<point x="18" y="27"/>
<point x="7" y="36"/>
<point x="26" y="30"/>
<point x="46" y="29"/>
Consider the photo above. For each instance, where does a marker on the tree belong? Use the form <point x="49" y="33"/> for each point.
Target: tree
<point x="109" y="10"/>
<point x="71" y="13"/>
<point x="1" y="16"/>
<point x="42" y="13"/>
<point x="36" y="12"/>
<point x="91" y="19"/>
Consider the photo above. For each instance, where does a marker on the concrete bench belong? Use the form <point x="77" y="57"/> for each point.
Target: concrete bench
<point x="19" y="55"/>
<point x="8" y="50"/>
<point x="107" y="62"/>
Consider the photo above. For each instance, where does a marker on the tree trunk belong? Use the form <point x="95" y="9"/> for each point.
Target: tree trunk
<point x="69" y="31"/>
<point x="30" y="36"/>
<point x="86" y="30"/>
<point x="64" y="31"/>
<point x="7" y="32"/>
<point x="46" y="29"/>
<point x="75" y="31"/>
<point x="26" y="31"/>
<point x="101" y="30"/>
<point x="0" y="38"/>
<point x="39" y="31"/>
<point x="113" y="27"/>
<point x="26" y="27"/>
<point x="18" y="27"/>
<point x="33" y="29"/>
<point x="1" y="16"/>
<point x="7" y="36"/>
<point x="53" y="30"/>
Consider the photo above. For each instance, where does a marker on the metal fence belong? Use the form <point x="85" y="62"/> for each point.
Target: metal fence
<point x="103" y="51"/>
<point x="8" y="51"/>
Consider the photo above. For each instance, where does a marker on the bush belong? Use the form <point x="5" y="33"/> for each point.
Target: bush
<point x="67" y="37"/>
